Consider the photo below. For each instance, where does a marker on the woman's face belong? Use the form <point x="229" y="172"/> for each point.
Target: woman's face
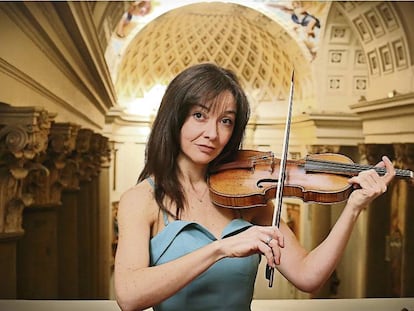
<point x="207" y="129"/>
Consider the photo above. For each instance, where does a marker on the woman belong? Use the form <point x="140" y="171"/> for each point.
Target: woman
<point x="178" y="251"/>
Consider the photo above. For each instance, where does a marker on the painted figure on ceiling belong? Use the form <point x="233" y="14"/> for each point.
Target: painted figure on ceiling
<point x="306" y="24"/>
<point x="137" y="8"/>
<point x="300" y="16"/>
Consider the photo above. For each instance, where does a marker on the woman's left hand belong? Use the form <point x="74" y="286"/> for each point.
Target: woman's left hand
<point x="369" y="185"/>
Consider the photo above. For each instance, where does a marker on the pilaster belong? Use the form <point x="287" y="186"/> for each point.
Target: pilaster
<point x="388" y="232"/>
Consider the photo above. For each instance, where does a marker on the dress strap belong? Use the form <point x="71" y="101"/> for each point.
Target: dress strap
<point x="151" y="182"/>
<point x="164" y="213"/>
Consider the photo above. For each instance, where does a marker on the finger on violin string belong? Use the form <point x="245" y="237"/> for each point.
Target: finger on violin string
<point x="390" y="169"/>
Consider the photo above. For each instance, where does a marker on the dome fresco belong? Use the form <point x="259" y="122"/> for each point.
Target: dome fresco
<point x="259" y="49"/>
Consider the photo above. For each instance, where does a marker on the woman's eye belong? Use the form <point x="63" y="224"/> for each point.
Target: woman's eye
<point x="198" y="115"/>
<point x="227" y="121"/>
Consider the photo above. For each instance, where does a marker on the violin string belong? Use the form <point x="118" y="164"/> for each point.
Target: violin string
<point x="341" y="167"/>
<point x="351" y="168"/>
<point x="338" y="167"/>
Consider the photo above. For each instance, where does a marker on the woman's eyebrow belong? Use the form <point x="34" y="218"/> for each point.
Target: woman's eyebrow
<point x="210" y="107"/>
<point x="230" y="112"/>
<point x="202" y="106"/>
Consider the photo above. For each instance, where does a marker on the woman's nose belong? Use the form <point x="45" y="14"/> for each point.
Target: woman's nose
<point x="210" y="130"/>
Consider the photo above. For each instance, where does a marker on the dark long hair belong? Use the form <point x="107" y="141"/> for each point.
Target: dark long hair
<point x="198" y="84"/>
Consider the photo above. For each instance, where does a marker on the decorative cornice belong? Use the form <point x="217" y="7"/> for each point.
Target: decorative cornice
<point x="313" y="117"/>
<point x="48" y="27"/>
<point x="395" y="104"/>
<point x="32" y="84"/>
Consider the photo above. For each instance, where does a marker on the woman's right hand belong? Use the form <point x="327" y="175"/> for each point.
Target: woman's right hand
<point x="266" y="240"/>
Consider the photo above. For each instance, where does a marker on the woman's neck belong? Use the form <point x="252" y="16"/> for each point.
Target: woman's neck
<point x="191" y="173"/>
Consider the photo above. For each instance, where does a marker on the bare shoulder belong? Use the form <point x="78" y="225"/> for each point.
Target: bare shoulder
<point x="137" y="201"/>
<point x="142" y="190"/>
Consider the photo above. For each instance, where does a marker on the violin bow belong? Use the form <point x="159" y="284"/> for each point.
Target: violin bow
<point x="282" y="175"/>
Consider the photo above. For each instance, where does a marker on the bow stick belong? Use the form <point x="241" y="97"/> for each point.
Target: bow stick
<point x="282" y="176"/>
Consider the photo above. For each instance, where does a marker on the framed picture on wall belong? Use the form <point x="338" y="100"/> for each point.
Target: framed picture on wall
<point x="400" y="54"/>
<point x="362" y="29"/>
<point x="373" y="62"/>
<point x="386" y="58"/>
<point x="374" y="23"/>
<point x="387" y="16"/>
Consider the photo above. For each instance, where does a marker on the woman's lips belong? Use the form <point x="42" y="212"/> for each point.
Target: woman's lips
<point x="205" y="148"/>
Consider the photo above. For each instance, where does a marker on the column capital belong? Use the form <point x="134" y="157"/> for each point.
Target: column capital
<point x="372" y="153"/>
<point x="23" y="137"/>
<point x="47" y="188"/>
<point x="323" y="148"/>
<point x="404" y="155"/>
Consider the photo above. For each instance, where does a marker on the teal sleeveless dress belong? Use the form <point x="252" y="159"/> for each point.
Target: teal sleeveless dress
<point x="226" y="285"/>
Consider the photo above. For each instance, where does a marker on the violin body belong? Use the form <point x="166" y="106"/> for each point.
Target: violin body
<point x="251" y="179"/>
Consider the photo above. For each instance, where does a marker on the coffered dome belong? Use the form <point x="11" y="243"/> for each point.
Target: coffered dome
<point x="256" y="47"/>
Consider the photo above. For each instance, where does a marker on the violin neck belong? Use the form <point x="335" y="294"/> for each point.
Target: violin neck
<point x="350" y="169"/>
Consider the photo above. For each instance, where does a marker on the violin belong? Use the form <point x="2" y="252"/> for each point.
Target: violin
<point x="251" y="179"/>
<point x="255" y="177"/>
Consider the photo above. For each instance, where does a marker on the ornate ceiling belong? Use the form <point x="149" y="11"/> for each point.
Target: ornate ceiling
<point x="257" y="48"/>
<point x="263" y="46"/>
